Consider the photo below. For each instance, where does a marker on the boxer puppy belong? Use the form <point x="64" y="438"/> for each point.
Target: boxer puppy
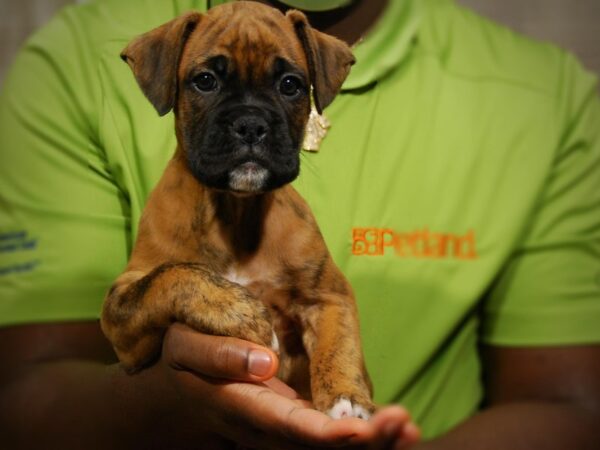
<point x="225" y="244"/>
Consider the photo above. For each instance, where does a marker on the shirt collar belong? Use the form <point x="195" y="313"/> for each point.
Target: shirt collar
<point x="386" y="45"/>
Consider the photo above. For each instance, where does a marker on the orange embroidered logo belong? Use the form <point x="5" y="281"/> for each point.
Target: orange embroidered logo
<point x="417" y="244"/>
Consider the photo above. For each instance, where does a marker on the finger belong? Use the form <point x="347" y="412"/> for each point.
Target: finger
<point x="260" y="440"/>
<point x="395" y="429"/>
<point x="410" y="435"/>
<point x="257" y="417"/>
<point x="218" y="356"/>
<point x="281" y="417"/>
<point x="278" y="386"/>
<point x="389" y="422"/>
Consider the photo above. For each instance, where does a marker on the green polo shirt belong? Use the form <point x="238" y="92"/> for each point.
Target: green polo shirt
<point x="458" y="188"/>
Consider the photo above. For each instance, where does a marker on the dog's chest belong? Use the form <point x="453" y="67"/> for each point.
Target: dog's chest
<point x="264" y="283"/>
<point x="237" y="276"/>
<point x="277" y="292"/>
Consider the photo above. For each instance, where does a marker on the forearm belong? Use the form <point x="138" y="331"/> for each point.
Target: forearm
<point x="60" y="390"/>
<point x="524" y="426"/>
<point x="82" y="404"/>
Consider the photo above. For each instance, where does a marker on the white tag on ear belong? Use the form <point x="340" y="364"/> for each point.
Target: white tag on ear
<point x="316" y="129"/>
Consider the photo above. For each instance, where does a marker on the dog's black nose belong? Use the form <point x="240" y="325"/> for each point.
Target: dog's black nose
<point x="250" y="129"/>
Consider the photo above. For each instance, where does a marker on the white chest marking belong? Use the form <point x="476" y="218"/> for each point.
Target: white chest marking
<point x="235" y="277"/>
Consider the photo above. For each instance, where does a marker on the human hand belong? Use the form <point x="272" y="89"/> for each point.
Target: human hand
<point x="228" y="385"/>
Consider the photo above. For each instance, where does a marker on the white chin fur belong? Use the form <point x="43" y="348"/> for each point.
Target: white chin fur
<point x="244" y="180"/>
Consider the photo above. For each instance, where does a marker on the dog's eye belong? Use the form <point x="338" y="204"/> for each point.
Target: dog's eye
<point x="205" y="82"/>
<point x="290" y="86"/>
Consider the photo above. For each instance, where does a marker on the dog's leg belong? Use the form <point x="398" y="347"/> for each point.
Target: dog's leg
<point x="340" y="384"/>
<point x="140" y="307"/>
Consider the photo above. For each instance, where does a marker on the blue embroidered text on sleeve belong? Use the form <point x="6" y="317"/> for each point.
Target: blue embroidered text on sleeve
<point x="17" y="243"/>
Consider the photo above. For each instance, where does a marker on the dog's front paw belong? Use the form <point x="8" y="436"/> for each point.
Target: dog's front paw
<point x="344" y="407"/>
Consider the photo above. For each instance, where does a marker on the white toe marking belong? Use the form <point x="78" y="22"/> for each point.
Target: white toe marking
<point x="361" y="412"/>
<point x="344" y="408"/>
<point x="275" y="343"/>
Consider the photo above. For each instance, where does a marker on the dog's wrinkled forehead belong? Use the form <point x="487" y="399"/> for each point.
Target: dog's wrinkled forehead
<point x="250" y="37"/>
<point x="246" y="34"/>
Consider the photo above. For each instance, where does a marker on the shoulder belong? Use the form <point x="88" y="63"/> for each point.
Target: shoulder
<point x="477" y="49"/>
<point x="97" y="21"/>
<point x="60" y="67"/>
<point x="73" y="41"/>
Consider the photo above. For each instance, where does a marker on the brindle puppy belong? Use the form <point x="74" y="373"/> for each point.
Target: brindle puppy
<point x="225" y="244"/>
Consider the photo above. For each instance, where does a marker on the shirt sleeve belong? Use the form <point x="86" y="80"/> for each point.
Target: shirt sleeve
<point x="63" y="221"/>
<point x="549" y="291"/>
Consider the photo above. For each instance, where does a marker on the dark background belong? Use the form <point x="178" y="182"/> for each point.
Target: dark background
<point x="572" y="24"/>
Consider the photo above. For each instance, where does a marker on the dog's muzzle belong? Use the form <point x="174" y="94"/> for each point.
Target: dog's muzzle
<point x="244" y="148"/>
<point x="250" y="132"/>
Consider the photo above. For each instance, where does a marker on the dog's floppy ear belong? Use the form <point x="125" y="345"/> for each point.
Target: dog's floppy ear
<point x="154" y="58"/>
<point x="329" y="59"/>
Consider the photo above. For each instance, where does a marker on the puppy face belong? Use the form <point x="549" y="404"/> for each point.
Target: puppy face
<point x="243" y="101"/>
<point x="239" y="80"/>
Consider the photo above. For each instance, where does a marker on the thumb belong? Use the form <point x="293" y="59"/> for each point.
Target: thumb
<point x="218" y="356"/>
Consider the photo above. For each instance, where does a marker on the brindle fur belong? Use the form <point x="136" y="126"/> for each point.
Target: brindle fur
<point x="191" y="236"/>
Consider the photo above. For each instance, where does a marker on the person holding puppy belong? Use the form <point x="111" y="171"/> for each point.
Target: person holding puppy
<point x="457" y="189"/>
